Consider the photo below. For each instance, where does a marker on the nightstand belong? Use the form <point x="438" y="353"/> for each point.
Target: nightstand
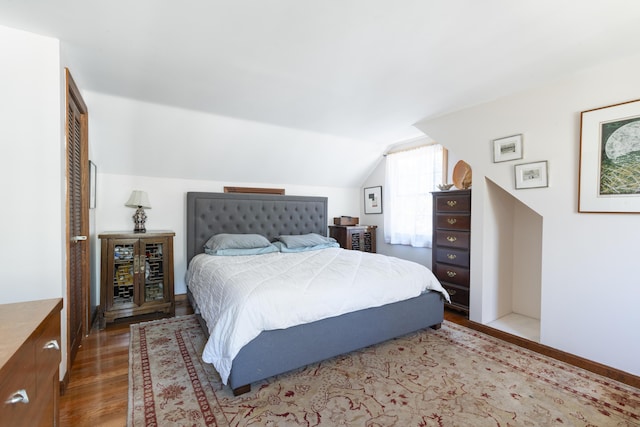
<point x="355" y="237"/>
<point x="136" y="275"/>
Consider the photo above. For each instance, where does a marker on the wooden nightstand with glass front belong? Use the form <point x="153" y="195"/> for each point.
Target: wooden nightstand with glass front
<point x="136" y="274"/>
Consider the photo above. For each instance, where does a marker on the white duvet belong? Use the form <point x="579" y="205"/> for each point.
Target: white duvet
<point x="241" y="296"/>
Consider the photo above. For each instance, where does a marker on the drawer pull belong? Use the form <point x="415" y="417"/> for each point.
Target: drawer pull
<point x="451" y="292"/>
<point x="452" y="238"/>
<point x="18" y="396"/>
<point x="452" y="203"/>
<point x="452" y="220"/>
<point x="452" y="256"/>
<point x="52" y="345"/>
<point x="451" y="273"/>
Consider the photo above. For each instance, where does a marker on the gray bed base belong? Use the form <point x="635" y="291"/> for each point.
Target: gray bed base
<point x="278" y="351"/>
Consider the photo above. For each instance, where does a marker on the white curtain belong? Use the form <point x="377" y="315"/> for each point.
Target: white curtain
<point x="410" y="178"/>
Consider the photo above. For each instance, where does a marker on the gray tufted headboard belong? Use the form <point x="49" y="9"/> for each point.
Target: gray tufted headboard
<point x="269" y="215"/>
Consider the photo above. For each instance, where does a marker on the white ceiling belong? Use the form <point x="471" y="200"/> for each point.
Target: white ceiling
<point x="358" y="69"/>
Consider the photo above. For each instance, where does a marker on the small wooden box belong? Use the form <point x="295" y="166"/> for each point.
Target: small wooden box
<point x="346" y="220"/>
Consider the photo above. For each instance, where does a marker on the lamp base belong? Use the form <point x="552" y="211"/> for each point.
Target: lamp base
<point x="139" y="218"/>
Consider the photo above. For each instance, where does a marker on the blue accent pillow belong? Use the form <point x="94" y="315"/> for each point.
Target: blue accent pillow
<point x="284" y="249"/>
<point x="305" y="240"/>
<point x="236" y="241"/>
<point x="240" y="252"/>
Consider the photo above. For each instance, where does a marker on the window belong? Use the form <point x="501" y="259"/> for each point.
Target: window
<point x="410" y="178"/>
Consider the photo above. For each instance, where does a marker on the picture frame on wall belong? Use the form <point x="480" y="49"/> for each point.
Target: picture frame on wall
<point x="531" y="175"/>
<point x="610" y="159"/>
<point x="373" y="200"/>
<point x="507" y="148"/>
<point x="93" y="172"/>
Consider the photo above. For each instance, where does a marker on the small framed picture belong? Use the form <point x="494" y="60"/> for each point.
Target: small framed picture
<point x="93" y="174"/>
<point x="373" y="200"/>
<point x="531" y="175"/>
<point x="507" y="148"/>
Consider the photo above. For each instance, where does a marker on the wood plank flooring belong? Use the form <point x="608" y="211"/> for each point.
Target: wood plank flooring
<point x="97" y="392"/>
<point x="98" y="383"/>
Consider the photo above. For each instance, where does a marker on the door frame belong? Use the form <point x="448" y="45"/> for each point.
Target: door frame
<point x="73" y="93"/>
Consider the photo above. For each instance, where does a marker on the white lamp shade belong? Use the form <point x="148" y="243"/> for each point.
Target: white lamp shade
<point x="138" y="199"/>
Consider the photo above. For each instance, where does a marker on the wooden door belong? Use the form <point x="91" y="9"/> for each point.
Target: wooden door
<point x="78" y="275"/>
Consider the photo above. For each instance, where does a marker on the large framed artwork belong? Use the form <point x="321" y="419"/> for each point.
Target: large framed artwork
<point x="610" y="159"/>
<point x="373" y="200"/>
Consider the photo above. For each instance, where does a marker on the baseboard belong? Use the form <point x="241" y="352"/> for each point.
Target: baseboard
<point x="64" y="383"/>
<point x="181" y="299"/>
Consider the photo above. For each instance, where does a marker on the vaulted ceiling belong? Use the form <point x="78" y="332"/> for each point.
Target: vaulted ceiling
<point x="360" y="70"/>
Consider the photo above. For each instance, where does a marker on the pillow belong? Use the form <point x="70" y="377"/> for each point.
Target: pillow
<point x="236" y="241"/>
<point x="302" y="240"/>
<point x="284" y="249"/>
<point x="239" y="252"/>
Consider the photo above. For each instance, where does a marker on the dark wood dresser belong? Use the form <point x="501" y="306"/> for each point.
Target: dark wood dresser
<point x="451" y="244"/>
<point x="29" y="363"/>
<point x="355" y="237"/>
<point x="136" y="275"/>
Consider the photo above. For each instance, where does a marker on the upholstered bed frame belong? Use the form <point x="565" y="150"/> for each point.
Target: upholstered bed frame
<point x="278" y="351"/>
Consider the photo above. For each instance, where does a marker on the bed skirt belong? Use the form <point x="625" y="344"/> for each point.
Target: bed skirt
<point x="278" y="351"/>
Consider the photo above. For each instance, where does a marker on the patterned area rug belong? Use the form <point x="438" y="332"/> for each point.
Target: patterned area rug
<point x="450" y="377"/>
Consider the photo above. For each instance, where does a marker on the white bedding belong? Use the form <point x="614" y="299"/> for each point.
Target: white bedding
<point x="241" y="296"/>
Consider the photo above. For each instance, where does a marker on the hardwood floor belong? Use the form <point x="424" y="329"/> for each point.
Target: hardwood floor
<point x="98" y="382"/>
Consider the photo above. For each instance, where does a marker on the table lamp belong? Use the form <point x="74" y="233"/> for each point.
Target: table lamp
<point x="140" y="201"/>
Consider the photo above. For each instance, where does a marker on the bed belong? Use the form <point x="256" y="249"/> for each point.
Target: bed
<point x="277" y="351"/>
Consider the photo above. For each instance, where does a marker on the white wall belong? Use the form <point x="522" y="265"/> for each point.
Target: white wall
<point x="147" y="139"/>
<point x="32" y="171"/>
<point x="167" y="197"/>
<point x="526" y="278"/>
<point x="31" y="167"/>
<point x="590" y="285"/>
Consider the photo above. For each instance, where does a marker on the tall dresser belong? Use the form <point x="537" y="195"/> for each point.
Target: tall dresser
<point x="29" y="363"/>
<point x="451" y="244"/>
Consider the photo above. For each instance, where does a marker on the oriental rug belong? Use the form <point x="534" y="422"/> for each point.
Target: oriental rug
<point x="451" y="377"/>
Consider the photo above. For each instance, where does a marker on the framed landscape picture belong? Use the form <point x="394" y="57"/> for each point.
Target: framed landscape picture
<point x="610" y="159"/>
<point x="507" y="148"/>
<point x="531" y="175"/>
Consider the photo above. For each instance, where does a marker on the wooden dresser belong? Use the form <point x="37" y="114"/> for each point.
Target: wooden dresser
<point x="136" y="275"/>
<point x="355" y="237"/>
<point x="29" y="363"/>
<point x="451" y="244"/>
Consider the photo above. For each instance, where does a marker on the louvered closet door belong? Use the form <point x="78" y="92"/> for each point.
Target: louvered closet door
<point x="78" y="220"/>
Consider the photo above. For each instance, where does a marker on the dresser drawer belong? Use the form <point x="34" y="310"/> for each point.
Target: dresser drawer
<point x="19" y="375"/>
<point x="458" y="257"/>
<point x="452" y="239"/>
<point x="25" y="328"/>
<point x="452" y="274"/>
<point x="459" y="295"/>
<point x="453" y="221"/>
<point x="453" y="203"/>
<point x="47" y="349"/>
